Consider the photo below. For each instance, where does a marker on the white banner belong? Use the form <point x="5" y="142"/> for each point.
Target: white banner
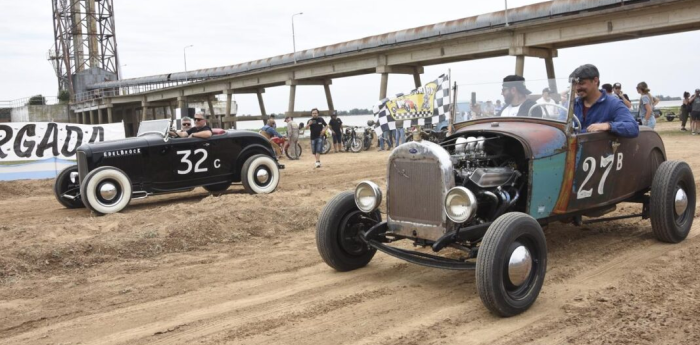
<point x="22" y="142"/>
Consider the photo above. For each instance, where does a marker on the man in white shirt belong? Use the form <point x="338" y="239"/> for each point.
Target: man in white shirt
<point x="550" y="109"/>
<point x="515" y="95"/>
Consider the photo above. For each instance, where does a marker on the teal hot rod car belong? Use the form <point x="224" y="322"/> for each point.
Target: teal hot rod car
<point x="487" y="190"/>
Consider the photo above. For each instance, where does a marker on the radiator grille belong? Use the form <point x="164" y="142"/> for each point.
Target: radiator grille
<point x="82" y="165"/>
<point x="415" y="191"/>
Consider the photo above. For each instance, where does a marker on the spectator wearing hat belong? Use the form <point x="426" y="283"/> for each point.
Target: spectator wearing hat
<point x="617" y="91"/>
<point x="646" y="106"/>
<point x="515" y="95"/>
<point x="597" y="111"/>
<point x="694" y="104"/>
<point x="549" y="106"/>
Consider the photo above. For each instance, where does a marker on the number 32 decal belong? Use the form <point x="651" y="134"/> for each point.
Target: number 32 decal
<point x="197" y="166"/>
<point x="589" y="165"/>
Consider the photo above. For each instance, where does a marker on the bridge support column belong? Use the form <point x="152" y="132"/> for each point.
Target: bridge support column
<point x="415" y="71"/>
<point x="99" y="116"/>
<point x="110" y="117"/>
<point x="93" y="115"/>
<point x="212" y="116"/>
<point x="144" y="111"/>
<point x="520" y="65"/>
<point x="383" y="84"/>
<point x="329" y="99"/>
<point x="261" y="103"/>
<point x="549" y="64"/>
<point x="182" y="105"/>
<point x="292" y="95"/>
<point x="228" y="120"/>
<point x="416" y="80"/>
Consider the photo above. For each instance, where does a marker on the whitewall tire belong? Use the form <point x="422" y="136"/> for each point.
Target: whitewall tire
<point x="260" y="174"/>
<point x="106" y="190"/>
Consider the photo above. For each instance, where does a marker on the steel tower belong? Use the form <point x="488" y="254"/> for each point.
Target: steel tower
<point x="84" y="38"/>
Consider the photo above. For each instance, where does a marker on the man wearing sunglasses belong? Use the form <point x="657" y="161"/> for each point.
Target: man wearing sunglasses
<point x="200" y="129"/>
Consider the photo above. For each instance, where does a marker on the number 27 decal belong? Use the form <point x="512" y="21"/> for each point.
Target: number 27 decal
<point x="589" y="165"/>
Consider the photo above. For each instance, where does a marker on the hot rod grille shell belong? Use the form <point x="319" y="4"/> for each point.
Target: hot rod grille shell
<point x="415" y="197"/>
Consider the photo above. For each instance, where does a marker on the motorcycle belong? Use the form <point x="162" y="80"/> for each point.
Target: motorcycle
<point x="284" y="146"/>
<point x="350" y="140"/>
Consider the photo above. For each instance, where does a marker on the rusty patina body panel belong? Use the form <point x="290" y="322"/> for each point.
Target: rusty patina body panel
<point x="599" y="169"/>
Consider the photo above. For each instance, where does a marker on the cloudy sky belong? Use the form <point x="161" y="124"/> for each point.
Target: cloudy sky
<point x="151" y="36"/>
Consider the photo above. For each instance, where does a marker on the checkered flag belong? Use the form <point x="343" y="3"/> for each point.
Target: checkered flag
<point x="440" y="111"/>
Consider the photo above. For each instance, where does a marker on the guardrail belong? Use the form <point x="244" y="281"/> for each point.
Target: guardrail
<point x="21" y="102"/>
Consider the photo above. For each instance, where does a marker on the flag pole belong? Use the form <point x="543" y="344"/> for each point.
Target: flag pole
<point x="450" y="120"/>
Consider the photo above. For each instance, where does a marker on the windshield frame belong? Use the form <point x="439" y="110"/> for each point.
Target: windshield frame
<point x="158" y="124"/>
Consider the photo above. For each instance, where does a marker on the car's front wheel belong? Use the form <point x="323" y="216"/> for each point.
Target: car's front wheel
<point x="672" y="204"/>
<point x="260" y="174"/>
<point x="66" y="188"/>
<point x="106" y="190"/>
<point x="338" y="233"/>
<point x="511" y="264"/>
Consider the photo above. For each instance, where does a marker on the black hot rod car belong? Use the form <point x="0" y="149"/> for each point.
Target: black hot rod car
<point x="111" y="173"/>
<point x="487" y="190"/>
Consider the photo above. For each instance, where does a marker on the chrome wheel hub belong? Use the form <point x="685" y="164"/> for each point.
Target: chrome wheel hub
<point x="519" y="265"/>
<point x="262" y="175"/>
<point x="108" y="191"/>
<point x="681" y="201"/>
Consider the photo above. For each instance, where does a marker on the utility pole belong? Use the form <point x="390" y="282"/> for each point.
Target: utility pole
<point x="184" y="54"/>
<point x="294" y="42"/>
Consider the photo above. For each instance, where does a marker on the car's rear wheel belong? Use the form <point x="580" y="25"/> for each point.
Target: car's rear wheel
<point x="106" y="190"/>
<point x="672" y="204"/>
<point x="338" y="233"/>
<point x="260" y="174"/>
<point x="66" y="188"/>
<point x="511" y="264"/>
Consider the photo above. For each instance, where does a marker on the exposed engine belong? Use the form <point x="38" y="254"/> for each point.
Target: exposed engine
<point x="485" y="165"/>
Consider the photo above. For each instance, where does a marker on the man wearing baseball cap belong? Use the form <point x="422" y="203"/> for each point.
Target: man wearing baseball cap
<point x="617" y="91"/>
<point x="515" y="95"/>
<point x="597" y="111"/>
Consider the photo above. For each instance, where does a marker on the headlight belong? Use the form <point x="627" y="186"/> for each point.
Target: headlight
<point x="368" y="196"/>
<point x="460" y="204"/>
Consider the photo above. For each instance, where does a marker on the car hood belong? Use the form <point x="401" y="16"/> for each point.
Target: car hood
<point x="111" y="145"/>
<point x="542" y="138"/>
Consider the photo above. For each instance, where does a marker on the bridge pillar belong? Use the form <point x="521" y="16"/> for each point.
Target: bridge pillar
<point x="99" y="116"/>
<point x="110" y="117"/>
<point x="549" y="64"/>
<point x="172" y="112"/>
<point x="261" y="103"/>
<point x="329" y="99"/>
<point x="415" y="71"/>
<point x="182" y="105"/>
<point x="144" y="111"/>
<point x="213" y="115"/>
<point x="383" y="84"/>
<point x="83" y="118"/>
<point x="92" y="117"/>
<point x="520" y="65"/>
<point x="228" y="120"/>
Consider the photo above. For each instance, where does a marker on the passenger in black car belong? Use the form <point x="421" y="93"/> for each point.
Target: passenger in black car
<point x="200" y="129"/>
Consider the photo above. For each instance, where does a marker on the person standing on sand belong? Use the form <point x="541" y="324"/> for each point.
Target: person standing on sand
<point x="317" y="126"/>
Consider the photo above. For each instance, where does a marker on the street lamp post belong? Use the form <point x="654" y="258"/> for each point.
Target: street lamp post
<point x="506" y="12"/>
<point x="184" y="54"/>
<point x="294" y="43"/>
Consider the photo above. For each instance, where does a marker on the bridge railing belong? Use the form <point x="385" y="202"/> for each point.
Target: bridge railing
<point x="97" y="94"/>
<point x="21" y="102"/>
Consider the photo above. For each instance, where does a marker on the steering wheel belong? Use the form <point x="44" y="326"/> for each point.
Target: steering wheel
<point x="545" y="114"/>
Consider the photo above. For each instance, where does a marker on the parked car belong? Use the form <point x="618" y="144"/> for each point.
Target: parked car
<point x="111" y="173"/>
<point x="487" y="190"/>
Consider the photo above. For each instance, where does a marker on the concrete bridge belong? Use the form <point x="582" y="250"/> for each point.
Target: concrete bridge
<point x="537" y="30"/>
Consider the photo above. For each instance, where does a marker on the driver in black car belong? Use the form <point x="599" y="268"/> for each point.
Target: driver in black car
<point x="200" y="129"/>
